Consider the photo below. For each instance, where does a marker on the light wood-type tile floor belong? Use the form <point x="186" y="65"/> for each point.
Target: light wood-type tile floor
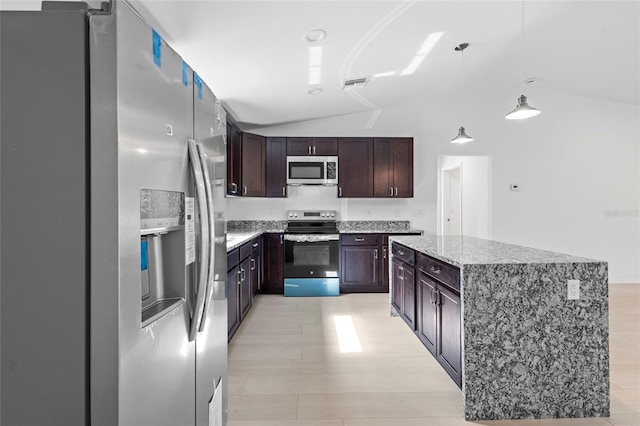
<point x="286" y="367"/>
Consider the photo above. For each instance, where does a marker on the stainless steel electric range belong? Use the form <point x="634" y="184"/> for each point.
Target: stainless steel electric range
<point x="311" y="250"/>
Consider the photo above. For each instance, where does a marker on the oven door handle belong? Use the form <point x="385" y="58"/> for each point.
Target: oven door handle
<point x="311" y="238"/>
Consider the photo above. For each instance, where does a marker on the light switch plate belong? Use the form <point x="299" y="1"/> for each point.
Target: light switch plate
<point x="573" y="289"/>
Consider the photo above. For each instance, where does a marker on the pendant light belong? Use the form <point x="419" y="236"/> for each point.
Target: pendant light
<point x="522" y="109"/>
<point x="462" y="135"/>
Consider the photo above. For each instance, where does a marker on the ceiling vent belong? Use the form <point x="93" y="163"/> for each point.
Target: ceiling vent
<point x="355" y="82"/>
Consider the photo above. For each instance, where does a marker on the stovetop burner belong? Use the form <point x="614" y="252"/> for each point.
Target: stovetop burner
<point x="312" y="222"/>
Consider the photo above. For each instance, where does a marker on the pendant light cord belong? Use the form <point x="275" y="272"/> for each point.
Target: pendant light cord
<point x="462" y="87"/>
<point x="522" y="52"/>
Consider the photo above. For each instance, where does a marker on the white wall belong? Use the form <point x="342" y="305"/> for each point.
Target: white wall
<point x="578" y="166"/>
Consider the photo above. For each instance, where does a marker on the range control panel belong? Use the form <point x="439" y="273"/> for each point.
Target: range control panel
<point x="312" y="215"/>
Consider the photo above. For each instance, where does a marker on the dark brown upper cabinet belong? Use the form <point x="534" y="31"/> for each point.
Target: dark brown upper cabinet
<point x="393" y="167"/>
<point x="276" y="173"/>
<point x="312" y="146"/>
<point x="253" y="165"/>
<point x="355" y="167"/>
<point x="234" y="159"/>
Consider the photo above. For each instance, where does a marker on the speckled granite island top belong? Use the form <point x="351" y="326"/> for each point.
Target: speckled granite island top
<point x="527" y="350"/>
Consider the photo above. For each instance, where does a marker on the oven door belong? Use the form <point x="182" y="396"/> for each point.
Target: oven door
<point x="310" y="256"/>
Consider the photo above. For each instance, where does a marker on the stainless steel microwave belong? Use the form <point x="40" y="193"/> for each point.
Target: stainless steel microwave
<point x="315" y="170"/>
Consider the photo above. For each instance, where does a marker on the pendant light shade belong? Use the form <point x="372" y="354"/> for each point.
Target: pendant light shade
<point x="462" y="137"/>
<point x="462" y="134"/>
<point x="522" y="109"/>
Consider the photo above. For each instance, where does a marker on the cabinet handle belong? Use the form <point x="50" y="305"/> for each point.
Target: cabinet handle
<point x="309" y="149"/>
<point x="375" y="254"/>
<point x="438" y="297"/>
<point x="400" y="252"/>
<point x="239" y="278"/>
<point x="253" y="264"/>
<point x="245" y="190"/>
<point x="243" y="274"/>
<point x="281" y="239"/>
<point x="234" y="188"/>
<point x="391" y="188"/>
<point x="284" y="191"/>
<point x="434" y="270"/>
<point x="339" y="191"/>
<point x="314" y="150"/>
<point x="384" y="252"/>
<point x="359" y="239"/>
<point x="396" y="194"/>
<point x="255" y="245"/>
<point x="431" y="297"/>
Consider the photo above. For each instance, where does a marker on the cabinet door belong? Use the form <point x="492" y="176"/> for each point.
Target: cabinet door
<point x="383" y="185"/>
<point x="273" y="264"/>
<point x="359" y="268"/>
<point x="396" y="285"/>
<point x="409" y="296"/>
<point x="299" y="146"/>
<point x="233" y="285"/>
<point x="234" y="160"/>
<point x="245" y="287"/>
<point x="253" y="165"/>
<point x="324" y="146"/>
<point x="426" y="311"/>
<point x="276" y="172"/>
<point x="449" y="349"/>
<point x="384" y="264"/>
<point x="403" y="167"/>
<point x="256" y="267"/>
<point x="355" y="167"/>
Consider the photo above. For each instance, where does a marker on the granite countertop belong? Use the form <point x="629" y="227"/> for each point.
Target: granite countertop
<point x="464" y="250"/>
<point x="242" y="231"/>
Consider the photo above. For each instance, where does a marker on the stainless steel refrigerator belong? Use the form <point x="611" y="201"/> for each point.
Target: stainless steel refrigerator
<point x="112" y="163"/>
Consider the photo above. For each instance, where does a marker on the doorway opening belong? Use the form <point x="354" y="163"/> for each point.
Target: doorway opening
<point x="464" y="196"/>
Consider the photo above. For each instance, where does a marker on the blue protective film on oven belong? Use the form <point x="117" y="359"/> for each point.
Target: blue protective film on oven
<point x="302" y="287"/>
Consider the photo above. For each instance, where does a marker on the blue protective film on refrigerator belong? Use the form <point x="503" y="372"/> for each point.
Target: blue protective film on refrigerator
<point x="198" y="82"/>
<point x="144" y="255"/>
<point x="157" y="48"/>
<point x="185" y="74"/>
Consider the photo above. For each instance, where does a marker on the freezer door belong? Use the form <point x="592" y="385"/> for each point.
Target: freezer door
<point x="211" y="340"/>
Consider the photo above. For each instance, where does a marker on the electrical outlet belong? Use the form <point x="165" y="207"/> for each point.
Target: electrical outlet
<point x="573" y="289"/>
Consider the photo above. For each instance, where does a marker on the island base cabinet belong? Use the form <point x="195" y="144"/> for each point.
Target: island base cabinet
<point x="449" y="350"/>
<point x="427" y="313"/>
<point x="403" y="292"/>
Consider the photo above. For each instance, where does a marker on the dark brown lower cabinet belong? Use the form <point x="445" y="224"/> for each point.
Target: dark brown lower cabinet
<point x="256" y="266"/>
<point x="427" y="297"/>
<point x="233" y="313"/>
<point x="363" y="264"/>
<point x="403" y="291"/>
<point x="273" y="282"/>
<point x="245" y="287"/>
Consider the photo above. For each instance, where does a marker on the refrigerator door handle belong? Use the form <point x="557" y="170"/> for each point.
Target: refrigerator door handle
<point x="196" y="167"/>
<point x="210" y="216"/>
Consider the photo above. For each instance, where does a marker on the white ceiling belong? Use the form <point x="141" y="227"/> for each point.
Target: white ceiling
<point x="254" y="56"/>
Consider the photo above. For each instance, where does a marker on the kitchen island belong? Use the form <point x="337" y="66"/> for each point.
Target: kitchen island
<point x="527" y="350"/>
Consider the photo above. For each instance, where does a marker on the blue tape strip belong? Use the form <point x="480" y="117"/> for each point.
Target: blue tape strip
<point x="185" y="74"/>
<point x="144" y="255"/>
<point x="198" y="82"/>
<point x="157" y="48"/>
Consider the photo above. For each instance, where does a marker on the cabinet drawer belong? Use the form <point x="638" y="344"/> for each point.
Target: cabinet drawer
<point x="245" y="250"/>
<point x="233" y="258"/>
<point x="360" y="239"/>
<point x="443" y="272"/>
<point x="256" y="245"/>
<point x="403" y="253"/>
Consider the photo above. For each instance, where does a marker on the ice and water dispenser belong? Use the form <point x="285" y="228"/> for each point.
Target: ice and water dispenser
<point x="164" y="223"/>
